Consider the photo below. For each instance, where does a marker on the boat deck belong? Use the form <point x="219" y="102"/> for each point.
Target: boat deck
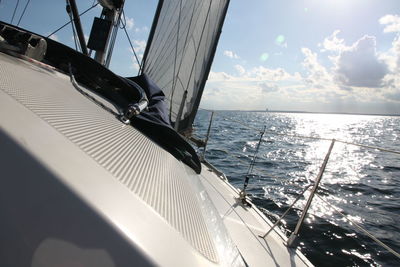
<point x="246" y="225"/>
<point x="103" y="187"/>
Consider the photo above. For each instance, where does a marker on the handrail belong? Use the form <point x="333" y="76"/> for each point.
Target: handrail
<point x="292" y="238"/>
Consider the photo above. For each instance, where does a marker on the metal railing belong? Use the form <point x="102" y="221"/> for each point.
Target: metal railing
<point x="243" y="196"/>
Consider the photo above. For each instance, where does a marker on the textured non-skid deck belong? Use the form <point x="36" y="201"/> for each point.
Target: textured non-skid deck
<point x="137" y="162"/>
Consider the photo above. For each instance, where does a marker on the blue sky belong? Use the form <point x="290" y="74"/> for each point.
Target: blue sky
<point x="310" y="55"/>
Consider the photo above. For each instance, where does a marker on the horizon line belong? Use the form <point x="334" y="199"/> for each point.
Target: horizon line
<point x="309" y="112"/>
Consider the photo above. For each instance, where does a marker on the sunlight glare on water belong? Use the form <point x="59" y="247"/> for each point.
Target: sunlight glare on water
<point x="362" y="183"/>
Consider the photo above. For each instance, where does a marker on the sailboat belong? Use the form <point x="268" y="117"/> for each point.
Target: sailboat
<point x="95" y="170"/>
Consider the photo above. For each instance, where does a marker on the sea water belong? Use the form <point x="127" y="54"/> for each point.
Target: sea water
<point x="361" y="183"/>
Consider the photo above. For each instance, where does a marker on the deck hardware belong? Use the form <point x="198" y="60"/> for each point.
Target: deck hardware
<point x="133" y="110"/>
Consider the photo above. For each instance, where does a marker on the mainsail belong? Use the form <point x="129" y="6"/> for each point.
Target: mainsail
<point x="179" y="53"/>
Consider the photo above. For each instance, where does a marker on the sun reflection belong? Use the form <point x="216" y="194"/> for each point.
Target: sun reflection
<point x="345" y="171"/>
<point x="357" y="181"/>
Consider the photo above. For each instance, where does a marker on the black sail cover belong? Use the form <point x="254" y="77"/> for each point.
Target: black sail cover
<point x="180" y="50"/>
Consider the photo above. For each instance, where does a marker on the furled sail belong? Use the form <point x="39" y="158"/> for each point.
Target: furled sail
<point x="179" y="53"/>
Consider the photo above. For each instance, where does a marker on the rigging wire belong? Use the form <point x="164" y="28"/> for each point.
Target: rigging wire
<point x="23" y="12"/>
<point x="253" y="162"/>
<point x="287" y="210"/>
<point x="361" y="228"/>
<point x="63" y="26"/>
<point x="129" y="39"/>
<point x="366" y="232"/>
<point x="243" y="193"/>
<point x="352" y="222"/>
<point x="15" y="10"/>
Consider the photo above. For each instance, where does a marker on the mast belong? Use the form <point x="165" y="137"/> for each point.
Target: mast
<point x="108" y="15"/>
<point x="104" y="30"/>
<point x="78" y="26"/>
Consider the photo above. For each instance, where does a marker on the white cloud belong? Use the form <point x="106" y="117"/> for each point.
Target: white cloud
<point x="360" y="79"/>
<point x="392" y="23"/>
<point x="317" y="75"/>
<point x="333" y="43"/>
<point x="231" y="54"/>
<point x="139" y="45"/>
<point x="142" y="29"/>
<point x="134" y="65"/>
<point x="391" y="90"/>
<point x="392" y="56"/>
<point x="278" y="74"/>
<point x="359" y="65"/>
<point x="253" y="88"/>
<point x="219" y="76"/>
<point x="129" y="23"/>
<point x="240" y="69"/>
<point x="268" y="87"/>
<point x="257" y="74"/>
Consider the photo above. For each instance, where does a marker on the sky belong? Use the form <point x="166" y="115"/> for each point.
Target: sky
<point x="296" y="55"/>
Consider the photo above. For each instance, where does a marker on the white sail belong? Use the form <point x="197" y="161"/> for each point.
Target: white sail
<point x="180" y="51"/>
